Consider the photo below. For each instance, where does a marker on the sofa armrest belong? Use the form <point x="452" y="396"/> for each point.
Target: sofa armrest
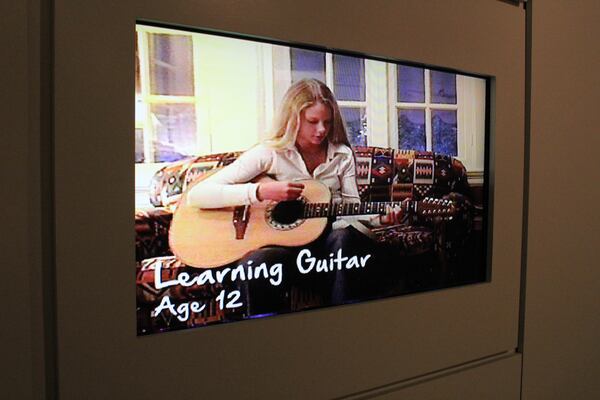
<point x="152" y="233"/>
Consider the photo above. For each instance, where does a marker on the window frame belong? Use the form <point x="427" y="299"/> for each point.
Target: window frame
<point x="381" y="107"/>
<point x="274" y="69"/>
<point x="427" y="105"/>
<point x="145" y="99"/>
<point x="145" y="170"/>
<point x="375" y="80"/>
<point x="468" y="97"/>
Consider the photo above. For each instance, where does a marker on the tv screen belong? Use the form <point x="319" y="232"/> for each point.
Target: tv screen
<point x="275" y="178"/>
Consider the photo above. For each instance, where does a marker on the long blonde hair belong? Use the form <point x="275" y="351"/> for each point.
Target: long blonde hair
<point x="303" y="94"/>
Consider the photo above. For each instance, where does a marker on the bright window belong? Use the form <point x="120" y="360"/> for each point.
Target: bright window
<point x="345" y="75"/>
<point x="426" y="108"/>
<point x="199" y="94"/>
<point x="166" y="101"/>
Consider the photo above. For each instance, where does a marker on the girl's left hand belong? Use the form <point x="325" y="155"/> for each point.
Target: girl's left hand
<point x="393" y="216"/>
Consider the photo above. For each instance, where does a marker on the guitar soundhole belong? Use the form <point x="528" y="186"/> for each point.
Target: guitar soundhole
<point x="287" y="212"/>
<point x="285" y="215"/>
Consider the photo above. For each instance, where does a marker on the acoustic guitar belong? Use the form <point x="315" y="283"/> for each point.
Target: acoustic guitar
<point x="210" y="238"/>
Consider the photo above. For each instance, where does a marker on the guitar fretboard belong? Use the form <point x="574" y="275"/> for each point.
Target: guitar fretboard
<point x="318" y="210"/>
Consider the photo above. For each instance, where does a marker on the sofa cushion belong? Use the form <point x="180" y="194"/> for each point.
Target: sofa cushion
<point x="420" y="174"/>
<point x="152" y="233"/>
<point x="406" y="239"/>
<point x="382" y="174"/>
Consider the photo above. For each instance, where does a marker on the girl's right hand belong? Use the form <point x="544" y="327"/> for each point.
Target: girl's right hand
<point x="279" y="191"/>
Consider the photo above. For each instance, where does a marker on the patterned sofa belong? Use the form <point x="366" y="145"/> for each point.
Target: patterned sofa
<point x="382" y="175"/>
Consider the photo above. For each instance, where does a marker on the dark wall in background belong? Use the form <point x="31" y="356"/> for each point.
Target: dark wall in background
<point x="21" y="310"/>
<point x="16" y="317"/>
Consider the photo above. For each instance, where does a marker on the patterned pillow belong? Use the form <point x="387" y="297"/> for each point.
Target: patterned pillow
<point x="374" y="172"/>
<point x="167" y="182"/>
<point x="420" y="174"/>
<point x="171" y="181"/>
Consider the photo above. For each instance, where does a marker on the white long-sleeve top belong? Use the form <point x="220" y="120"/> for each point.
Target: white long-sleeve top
<point x="231" y="186"/>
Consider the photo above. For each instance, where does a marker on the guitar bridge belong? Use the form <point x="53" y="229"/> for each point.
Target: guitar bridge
<point x="241" y="215"/>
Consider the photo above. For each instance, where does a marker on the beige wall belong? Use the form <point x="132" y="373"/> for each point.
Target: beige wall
<point x="562" y="319"/>
<point x="561" y="354"/>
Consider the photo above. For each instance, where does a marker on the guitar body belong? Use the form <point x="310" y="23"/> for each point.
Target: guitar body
<point x="208" y="238"/>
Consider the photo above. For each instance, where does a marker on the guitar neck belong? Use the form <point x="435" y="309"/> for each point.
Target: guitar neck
<point x="319" y="210"/>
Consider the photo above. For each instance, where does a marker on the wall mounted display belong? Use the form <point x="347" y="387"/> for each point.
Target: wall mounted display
<point x="273" y="178"/>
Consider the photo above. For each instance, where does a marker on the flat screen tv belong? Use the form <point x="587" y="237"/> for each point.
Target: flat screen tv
<point x="275" y="178"/>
